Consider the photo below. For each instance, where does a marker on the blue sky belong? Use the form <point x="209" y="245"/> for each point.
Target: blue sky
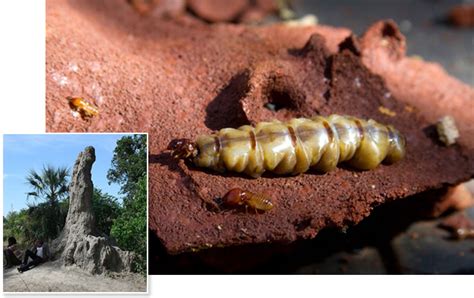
<point x="24" y="152"/>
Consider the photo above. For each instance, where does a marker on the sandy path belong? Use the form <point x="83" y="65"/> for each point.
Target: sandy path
<point x="52" y="277"/>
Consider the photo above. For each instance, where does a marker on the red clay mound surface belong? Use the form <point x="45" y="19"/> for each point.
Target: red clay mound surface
<point x="180" y="78"/>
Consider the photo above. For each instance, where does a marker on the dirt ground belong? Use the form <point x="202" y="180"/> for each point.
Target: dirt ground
<point x="52" y="277"/>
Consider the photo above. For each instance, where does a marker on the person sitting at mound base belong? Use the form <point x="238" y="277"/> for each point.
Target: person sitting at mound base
<point x="11" y="254"/>
<point x="38" y="255"/>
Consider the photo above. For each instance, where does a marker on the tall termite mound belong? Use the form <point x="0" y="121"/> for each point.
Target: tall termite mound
<point x="80" y="243"/>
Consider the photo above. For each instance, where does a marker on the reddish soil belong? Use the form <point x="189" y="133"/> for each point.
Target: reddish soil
<point x="179" y="78"/>
<point x="462" y="15"/>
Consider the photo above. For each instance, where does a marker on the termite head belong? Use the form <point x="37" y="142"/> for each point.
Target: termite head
<point x="79" y="105"/>
<point x="74" y="102"/>
<point x="183" y="149"/>
<point x="234" y="197"/>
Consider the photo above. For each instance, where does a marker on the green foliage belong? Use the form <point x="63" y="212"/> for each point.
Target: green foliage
<point x="47" y="220"/>
<point x="130" y="228"/>
<point x="128" y="163"/>
<point x="129" y="170"/>
<point x="43" y="220"/>
<point x="36" y="222"/>
<point x="106" y="210"/>
<point x="18" y="225"/>
<point x="63" y="210"/>
<point x="50" y="186"/>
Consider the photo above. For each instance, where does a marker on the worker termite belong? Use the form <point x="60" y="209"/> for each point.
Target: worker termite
<point x="237" y="197"/>
<point x="83" y="107"/>
<point x="295" y="146"/>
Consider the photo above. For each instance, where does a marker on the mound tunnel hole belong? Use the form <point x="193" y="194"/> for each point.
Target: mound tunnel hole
<point x="280" y="99"/>
<point x="388" y="30"/>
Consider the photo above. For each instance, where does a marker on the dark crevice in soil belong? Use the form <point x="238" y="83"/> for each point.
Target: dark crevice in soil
<point x="328" y="76"/>
<point x="278" y="100"/>
<point x="351" y="43"/>
<point x="280" y="94"/>
<point x="225" y="110"/>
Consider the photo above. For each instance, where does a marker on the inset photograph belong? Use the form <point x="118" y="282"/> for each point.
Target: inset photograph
<point x="75" y="213"/>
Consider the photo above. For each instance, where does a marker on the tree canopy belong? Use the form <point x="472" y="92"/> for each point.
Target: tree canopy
<point x="106" y="210"/>
<point x="131" y="227"/>
<point x="129" y="163"/>
<point x="129" y="169"/>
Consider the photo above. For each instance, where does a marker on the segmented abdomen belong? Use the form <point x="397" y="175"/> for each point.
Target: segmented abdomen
<point x="259" y="201"/>
<point x="295" y="146"/>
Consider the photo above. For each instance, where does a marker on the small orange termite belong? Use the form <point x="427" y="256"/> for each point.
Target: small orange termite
<point x="238" y="197"/>
<point x="143" y="7"/>
<point x="83" y="107"/>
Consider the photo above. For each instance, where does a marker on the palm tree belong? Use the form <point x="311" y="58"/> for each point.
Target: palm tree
<point x="50" y="186"/>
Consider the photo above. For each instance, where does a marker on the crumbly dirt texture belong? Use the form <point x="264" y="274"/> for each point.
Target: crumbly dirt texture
<point x="177" y="78"/>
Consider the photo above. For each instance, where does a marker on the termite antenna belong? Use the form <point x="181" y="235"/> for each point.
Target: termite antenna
<point x="183" y="149"/>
